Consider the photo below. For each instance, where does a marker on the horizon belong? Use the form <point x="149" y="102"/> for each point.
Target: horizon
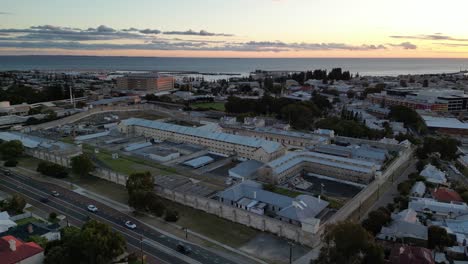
<point x="235" y="29"/>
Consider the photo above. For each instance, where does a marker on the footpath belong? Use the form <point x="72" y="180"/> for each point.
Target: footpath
<point x="232" y="253"/>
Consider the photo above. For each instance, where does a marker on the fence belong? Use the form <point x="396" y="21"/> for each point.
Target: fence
<point x="21" y="216"/>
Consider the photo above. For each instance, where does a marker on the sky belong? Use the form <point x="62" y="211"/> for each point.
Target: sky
<point x="236" y="28"/>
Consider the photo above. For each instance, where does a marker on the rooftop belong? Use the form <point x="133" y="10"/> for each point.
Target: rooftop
<point x="23" y="250"/>
<point x="268" y="146"/>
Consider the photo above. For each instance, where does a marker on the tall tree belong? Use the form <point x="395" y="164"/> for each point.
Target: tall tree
<point x="11" y="149"/>
<point x="82" y="165"/>
<point x="348" y="243"/>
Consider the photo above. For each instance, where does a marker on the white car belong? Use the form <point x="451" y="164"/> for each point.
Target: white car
<point x="55" y="194"/>
<point x="130" y="225"/>
<point x="92" y="208"/>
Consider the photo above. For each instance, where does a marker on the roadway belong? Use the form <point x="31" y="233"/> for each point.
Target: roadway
<point x="157" y="247"/>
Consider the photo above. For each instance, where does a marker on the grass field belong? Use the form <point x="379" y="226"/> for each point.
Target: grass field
<point x="286" y="192"/>
<point x="222" y="230"/>
<point x="214" y="106"/>
<point x="28" y="220"/>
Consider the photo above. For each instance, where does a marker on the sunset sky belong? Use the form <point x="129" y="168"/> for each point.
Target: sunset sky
<point x="236" y="28"/>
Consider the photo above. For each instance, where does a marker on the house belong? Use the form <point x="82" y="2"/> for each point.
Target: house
<point x="405" y="227"/>
<point x="5" y="222"/>
<point x="24" y="232"/>
<point x="433" y="175"/>
<point x="431" y="206"/>
<point x="13" y="250"/>
<point x="446" y="195"/>
<point x="418" y="189"/>
<point x="411" y="255"/>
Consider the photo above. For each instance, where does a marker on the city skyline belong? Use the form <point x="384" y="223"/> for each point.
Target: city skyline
<point x="260" y="28"/>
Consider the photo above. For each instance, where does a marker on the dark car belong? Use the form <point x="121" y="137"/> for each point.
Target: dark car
<point x="183" y="249"/>
<point x="44" y="200"/>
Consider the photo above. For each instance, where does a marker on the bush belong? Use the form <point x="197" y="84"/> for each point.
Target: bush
<point x="53" y="217"/>
<point x="11" y="163"/>
<point x="171" y="216"/>
<point x="52" y="170"/>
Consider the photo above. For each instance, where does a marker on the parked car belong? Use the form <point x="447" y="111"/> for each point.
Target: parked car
<point x="55" y="194"/>
<point x="92" y="208"/>
<point x="130" y="225"/>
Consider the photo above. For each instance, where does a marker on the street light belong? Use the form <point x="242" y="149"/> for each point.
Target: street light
<point x="291" y="244"/>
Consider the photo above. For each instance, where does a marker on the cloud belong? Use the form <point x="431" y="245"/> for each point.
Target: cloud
<point x="150" y="31"/>
<point x="435" y="36"/>
<point x="405" y="45"/>
<point x="197" y="33"/>
<point x="107" y="38"/>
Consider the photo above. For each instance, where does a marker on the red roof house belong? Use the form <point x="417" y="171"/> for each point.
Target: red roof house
<point x="411" y="255"/>
<point x="446" y="195"/>
<point x="13" y="250"/>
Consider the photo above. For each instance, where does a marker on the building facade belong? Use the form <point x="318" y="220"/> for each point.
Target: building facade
<point x="222" y="143"/>
<point x="295" y="163"/>
<point x="142" y="82"/>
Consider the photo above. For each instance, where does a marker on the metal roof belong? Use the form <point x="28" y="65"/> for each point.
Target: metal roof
<point x="268" y="146"/>
<point x="198" y="162"/>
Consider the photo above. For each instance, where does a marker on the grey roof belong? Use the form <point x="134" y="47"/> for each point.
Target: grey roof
<point x="253" y="190"/>
<point x="402" y="229"/>
<point x="91" y="136"/>
<point x="294" y="158"/>
<point x="300" y="208"/>
<point x="418" y="188"/>
<point x="30" y="141"/>
<point x="432" y="174"/>
<point x="268" y="146"/>
<point x="200" y="161"/>
<point x="419" y="204"/>
<point x="303" y="207"/>
<point x="246" y="168"/>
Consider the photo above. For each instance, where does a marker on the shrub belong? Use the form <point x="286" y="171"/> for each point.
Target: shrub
<point x="171" y="216"/>
<point x="52" y="170"/>
<point x="11" y="163"/>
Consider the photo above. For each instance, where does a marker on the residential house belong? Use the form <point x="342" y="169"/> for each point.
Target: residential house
<point x="433" y="175"/>
<point x="14" y="251"/>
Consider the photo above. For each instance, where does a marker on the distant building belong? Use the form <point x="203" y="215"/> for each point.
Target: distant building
<point x="295" y="163"/>
<point x="433" y="175"/>
<point x="146" y="82"/>
<point x="13" y="251"/>
<point x="418" y="189"/>
<point x="431" y="206"/>
<point x="222" y="143"/>
<point x="446" y="195"/>
<point x="411" y="255"/>
<point x="446" y="125"/>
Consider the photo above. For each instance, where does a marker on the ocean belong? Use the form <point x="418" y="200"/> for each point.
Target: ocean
<point x="376" y="67"/>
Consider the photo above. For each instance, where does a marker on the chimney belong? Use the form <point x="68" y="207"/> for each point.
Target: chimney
<point x="30" y="229"/>
<point x="12" y="243"/>
<point x="319" y="199"/>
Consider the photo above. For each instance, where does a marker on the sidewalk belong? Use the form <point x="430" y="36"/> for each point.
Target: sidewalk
<point x="238" y="255"/>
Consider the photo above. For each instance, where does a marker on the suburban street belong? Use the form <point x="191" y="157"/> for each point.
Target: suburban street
<point x="157" y="247"/>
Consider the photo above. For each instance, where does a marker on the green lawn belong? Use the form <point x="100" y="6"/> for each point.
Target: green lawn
<point x="28" y="220"/>
<point x="214" y="106"/>
<point x="286" y="192"/>
<point x="219" y="229"/>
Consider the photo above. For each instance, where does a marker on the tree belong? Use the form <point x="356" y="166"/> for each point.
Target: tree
<point x="139" y="186"/>
<point x="348" y="243"/>
<point x="11" y="163"/>
<point x="171" y="216"/>
<point x="15" y="204"/>
<point x="376" y="220"/>
<point x="437" y="237"/>
<point x="53" y="217"/>
<point x="11" y="149"/>
<point x="95" y="243"/>
<point x="52" y="169"/>
<point x="409" y="117"/>
<point x="82" y="165"/>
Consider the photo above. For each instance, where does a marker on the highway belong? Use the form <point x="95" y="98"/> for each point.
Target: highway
<point x="157" y="247"/>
